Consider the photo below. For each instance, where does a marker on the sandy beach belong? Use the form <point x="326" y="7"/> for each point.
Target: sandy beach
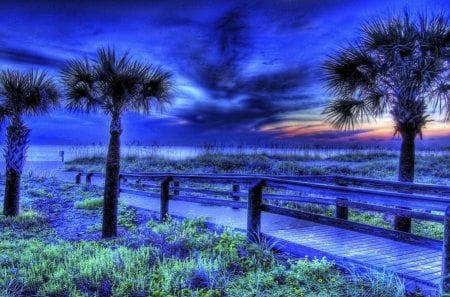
<point x="44" y="168"/>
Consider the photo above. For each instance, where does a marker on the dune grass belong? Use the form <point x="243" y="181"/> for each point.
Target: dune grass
<point x="429" y="168"/>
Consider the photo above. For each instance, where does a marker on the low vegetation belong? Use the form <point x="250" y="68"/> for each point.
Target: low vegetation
<point x="430" y="168"/>
<point x="53" y="249"/>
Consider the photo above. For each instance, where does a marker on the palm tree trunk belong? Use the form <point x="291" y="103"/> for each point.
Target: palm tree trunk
<point x="407" y="157"/>
<point x="16" y="146"/>
<point x="406" y="171"/>
<point x="111" y="191"/>
<point x="12" y="193"/>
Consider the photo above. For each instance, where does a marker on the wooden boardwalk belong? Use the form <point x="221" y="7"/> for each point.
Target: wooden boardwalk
<point x="258" y="204"/>
<point x="417" y="265"/>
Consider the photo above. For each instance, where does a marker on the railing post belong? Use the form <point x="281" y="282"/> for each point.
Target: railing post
<point x="176" y="184"/>
<point x="445" y="272"/>
<point x="78" y="178"/>
<point x="402" y="223"/>
<point x="164" y="206"/>
<point x="234" y="196"/>
<point x="341" y="208"/>
<point x="254" y="211"/>
<point x="88" y="178"/>
<point x="122" y="178"/>
<point x="341" y="203"/>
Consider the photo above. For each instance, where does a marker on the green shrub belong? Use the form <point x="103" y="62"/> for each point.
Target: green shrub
<point x="428" y="229"/>
<point x="25" y="219"/>
<point x="40" y="193"/>
<point x="89" y="204"/>
<point x="127" y="217"/>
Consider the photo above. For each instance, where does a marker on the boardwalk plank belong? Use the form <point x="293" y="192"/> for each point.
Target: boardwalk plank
<point x="418" y="264"/>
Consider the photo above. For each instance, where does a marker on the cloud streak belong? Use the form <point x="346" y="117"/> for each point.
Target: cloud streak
<point x="29" y="58"/>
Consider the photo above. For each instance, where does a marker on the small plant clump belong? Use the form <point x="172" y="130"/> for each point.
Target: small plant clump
<point x="90" y="204"/>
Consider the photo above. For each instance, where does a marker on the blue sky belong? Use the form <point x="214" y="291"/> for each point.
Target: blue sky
<point x="245" y="71"/>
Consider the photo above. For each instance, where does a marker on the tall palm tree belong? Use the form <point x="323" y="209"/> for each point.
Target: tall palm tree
<point x="400" y="67"/>
<point x="30" y="93"/>
<point x="114" y="85"/>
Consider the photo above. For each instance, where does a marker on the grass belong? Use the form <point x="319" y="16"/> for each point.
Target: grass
<point x="174" y="258"/>
<point x="90" y="204"/>
<point x="183" y="267"/>
<point x="429" y="168"/>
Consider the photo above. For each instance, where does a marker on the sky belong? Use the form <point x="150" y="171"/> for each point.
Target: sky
<point x="245" y="72"/>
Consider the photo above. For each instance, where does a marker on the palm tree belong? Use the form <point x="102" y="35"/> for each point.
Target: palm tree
<point x="30" y="93"/>
<point x="114" y="85"/>
<point x="400" y="66"/>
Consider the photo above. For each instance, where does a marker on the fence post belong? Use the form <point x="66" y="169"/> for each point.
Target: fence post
<point x="164" y="206"/>
<point x="123" y="178"/>
<point x="341" y="208"/>
<point x="254" y="211"/>
<point x="445" y="282"/>
<point x="402" y="223"/>
<point x="61" y="154"/>
<point x="341" y="203"/>
<point x="88" y="178"/>
<point x="78" y="178"/>
<point x="176" y="184"/>
<point x="234" y="196"/>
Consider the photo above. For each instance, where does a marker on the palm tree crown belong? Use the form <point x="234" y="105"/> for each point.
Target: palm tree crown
<point x="30" y="93"/>
<point x="114" y="84"/>
<point x="400" y="66"/>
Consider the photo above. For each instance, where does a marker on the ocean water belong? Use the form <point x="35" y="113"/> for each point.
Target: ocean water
<point x="52" y="152"/>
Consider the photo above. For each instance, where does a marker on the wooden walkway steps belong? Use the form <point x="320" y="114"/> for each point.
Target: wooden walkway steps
<point x="417" y="265"/>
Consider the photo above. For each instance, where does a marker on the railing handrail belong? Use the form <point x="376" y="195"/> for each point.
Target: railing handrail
<point x="362" y="181"/>
<point x="398" y="185"/>
<point x="400" y="195"/>
<point x="438" y="201"/>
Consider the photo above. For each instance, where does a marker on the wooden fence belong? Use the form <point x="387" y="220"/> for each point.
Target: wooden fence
<point x="291" y="196"/>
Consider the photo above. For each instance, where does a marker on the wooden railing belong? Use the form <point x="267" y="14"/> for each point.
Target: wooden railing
<point x="289" y="196"/>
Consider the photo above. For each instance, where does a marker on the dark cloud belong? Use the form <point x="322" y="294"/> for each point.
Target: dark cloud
<point x="280" y="82"/>
<point x="248" y="114"/>
<point x="339" y="134"/>
<point x="28" y="57"/>
<point x="241" y="99"/>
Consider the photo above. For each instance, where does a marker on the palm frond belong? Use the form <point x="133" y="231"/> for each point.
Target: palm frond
<point x="347" y="113"/>
<point x="434" y="34"/>
<point x="441" y="102"/>
<point x="348" y="70"/>
<point x="393" y="35"/>
<point x="4" y="113"/>
<point x="78" y="79"/>
<point x="157" y="87"/>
